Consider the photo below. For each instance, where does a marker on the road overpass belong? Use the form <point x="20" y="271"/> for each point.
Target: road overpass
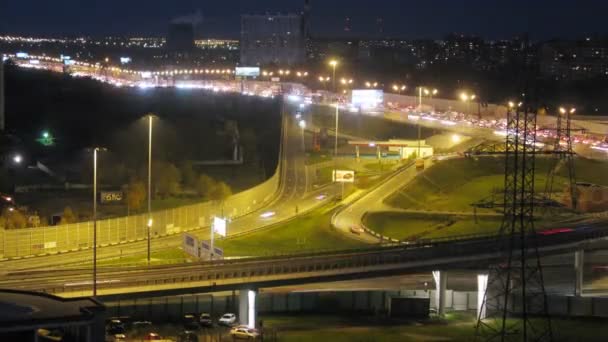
<point x="254" y="273"/>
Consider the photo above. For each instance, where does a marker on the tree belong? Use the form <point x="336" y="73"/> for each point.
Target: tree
<point x="14" y="219"/>
<point x="136" y="194"/>
<point x="68" y="216"/>
<point x="189" y="177"/>
<point x="220" y="192"/>
<point x="204" y="185"/>
<point x="167" y="179"/>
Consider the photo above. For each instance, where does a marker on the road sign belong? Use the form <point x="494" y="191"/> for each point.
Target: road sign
<point x="190" y="245"/>
<point x="205" y="251"/>
<point x="343" y="176"/>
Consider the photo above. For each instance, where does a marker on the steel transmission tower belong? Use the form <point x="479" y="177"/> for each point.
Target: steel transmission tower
<point x="563" y="156"/>
<point x="515" y="292"/>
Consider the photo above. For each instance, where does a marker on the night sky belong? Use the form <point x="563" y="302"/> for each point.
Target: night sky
<point x="402" y="18"/>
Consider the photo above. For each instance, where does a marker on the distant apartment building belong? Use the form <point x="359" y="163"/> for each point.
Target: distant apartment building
<point x="574" y="60"/>
<point x="273" y="39"/>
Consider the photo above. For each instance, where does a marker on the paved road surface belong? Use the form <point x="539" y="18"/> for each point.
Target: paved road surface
<point x="294" y="192"/>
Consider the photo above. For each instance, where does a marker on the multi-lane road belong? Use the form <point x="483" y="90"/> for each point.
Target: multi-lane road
<point x="294" y="197"/>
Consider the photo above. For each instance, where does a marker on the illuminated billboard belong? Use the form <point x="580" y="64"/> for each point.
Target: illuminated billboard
<point x="219" y="226"/>
<point x="343" y="176"/>
<point x="367" y="98"/>
<point x="247" y="71"/>
<point x="125" y="60"/>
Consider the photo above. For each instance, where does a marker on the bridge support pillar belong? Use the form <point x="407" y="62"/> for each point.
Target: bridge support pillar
<point x="482" y="286"/>
<point x="440" y="284"/>
<point x="247" y="307"/>
<point x="579" y="266"/>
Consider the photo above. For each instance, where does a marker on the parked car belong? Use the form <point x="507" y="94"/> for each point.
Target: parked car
<point x="228" y="319"/>
<point x="205" y="320"/>
<point x="244" y="332"/>
<point x="115" y="327"/>
<point x="116" y="338"/>
<point x="190" y="322"/>
<point x="152" y="337"/>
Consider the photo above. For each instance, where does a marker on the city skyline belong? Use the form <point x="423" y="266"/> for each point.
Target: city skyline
<point x="388" y="18"/>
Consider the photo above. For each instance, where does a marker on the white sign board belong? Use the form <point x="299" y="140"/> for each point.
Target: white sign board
<point x="367" y="98"/>
<point x="344" y="176"/>
<point x="219" y="226"/>
<point x="247" y="71"/>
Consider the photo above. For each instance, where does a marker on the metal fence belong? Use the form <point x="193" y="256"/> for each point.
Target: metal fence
<point x="70" y="237"/>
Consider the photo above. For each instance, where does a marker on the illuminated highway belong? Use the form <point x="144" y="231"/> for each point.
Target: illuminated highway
<point x="294" y="191"/>
<point x="303" y="268"/>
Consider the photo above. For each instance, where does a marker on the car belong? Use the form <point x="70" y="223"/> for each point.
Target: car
<point x="244" y="332"/>
<point x="190" y="322"/>
<point x="152" y="337"/>
<point x="356" y="230"/>
<point x="228" y="319"/>
<point x="116" y="338"/>
<point x="50" y="335"/>
<point x="116" y="327"/>
<point x="205" y="320"/>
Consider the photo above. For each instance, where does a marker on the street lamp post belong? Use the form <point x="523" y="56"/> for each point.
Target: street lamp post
<point x="149" y="223"/>
<point x="334" y="64"/>
<point x="95" y="221"/>
<point x="95" y="152"/>
<point x="466" y="98"/>
<point x="302" y="125"/>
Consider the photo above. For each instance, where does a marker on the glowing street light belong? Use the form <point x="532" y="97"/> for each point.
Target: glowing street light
<point x="399" y="88"/>
<point x="467" y="98"/>
<point x="567" y="110"/>
<point x="17" y="158"/>
<point x="333" y="63"/>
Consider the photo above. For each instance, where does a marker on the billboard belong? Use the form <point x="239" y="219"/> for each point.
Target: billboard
<point x="367" y="98"/>
<point x="247" y="71"/>
<point x="343" y="176"/>
<point x="219" y="225"/>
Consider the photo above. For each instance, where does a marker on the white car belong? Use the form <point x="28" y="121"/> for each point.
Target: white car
<point x="244" y="332"/>
<point x="228" y="319"/>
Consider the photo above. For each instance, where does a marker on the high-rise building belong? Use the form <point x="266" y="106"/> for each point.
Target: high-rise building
<point x="273" y="39"/>
<point x="180" y="37"/>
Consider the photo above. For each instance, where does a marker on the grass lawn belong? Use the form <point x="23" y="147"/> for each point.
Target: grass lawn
<point x="160" y="257"/>
<point x="456" y="327"/>
<point x="589" y="170"/>
<point x="311" y="232"/>
<point x="454" y="185"/>
<point x="318" y="157"/>
<point x="410" y="226"/>
<point x="308" y="233"/>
